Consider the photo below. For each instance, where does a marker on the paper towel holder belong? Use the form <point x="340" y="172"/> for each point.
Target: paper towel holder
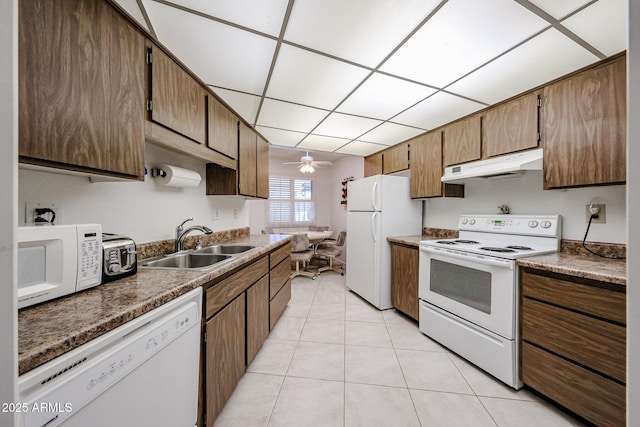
<point x="158" y="172"/>
<point x="174" y="176"/>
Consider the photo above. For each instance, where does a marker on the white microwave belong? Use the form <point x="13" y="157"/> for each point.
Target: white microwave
<point x="57" y="260"/>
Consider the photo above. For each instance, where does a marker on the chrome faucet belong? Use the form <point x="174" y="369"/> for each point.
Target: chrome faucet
<point x="182" y="233"/>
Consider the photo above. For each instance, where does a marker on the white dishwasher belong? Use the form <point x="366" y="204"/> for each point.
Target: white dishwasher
<point x="143" y="373"/>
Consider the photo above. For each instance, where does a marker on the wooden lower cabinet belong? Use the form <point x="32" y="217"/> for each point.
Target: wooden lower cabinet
<point x="574" y="344"/>
<point x="279" y="283"/>
<point x="257" y="317"/>
<point x="404" y="279"/>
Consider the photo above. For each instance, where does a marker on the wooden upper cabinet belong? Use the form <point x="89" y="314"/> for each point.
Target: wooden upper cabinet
<point x="373" y="165"/>
<point x="512" y="126"/>
<point x="178" y="100"/>
<point x="247" y="161"/>
<point x="426" y="168"/>
<point x="584" y="127"/>
<point x="81" y="88"/>
<point x="262" y="168"/>
<point x="396" y="158"/>
<point x="223" y="129"/>
<point x="462" y="141"/>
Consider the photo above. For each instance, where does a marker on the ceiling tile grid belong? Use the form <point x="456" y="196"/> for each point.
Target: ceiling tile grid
<point x="354" y="76"/>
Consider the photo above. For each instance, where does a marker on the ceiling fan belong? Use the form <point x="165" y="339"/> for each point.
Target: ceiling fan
<point x="307" y="164"/>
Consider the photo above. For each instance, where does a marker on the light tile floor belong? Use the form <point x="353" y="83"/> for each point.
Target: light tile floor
<point x="334" y="360"/>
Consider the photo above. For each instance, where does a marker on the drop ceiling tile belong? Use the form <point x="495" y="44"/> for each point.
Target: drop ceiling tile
<point x="244" y="104"/>
<point x="281" y="137"/>
<point x="363" y="31"/>
<point x="462" y="36"/>
<point x="383" y="97"/>
<point x="559" y="9"/>
<point x="263" y="16"/>
<point x="345" y="126"/>
<point x="437" y="110"/>
<point x="604" y="25"/>
<point x="390" y="133"/>
<point x="132" y="8"/>
<point x="284" y="115"/>
<point x="541" y="59"/>
<point x="219" y="54"/>
<point x="360" y="148"/>
<point x="312" y="79"/>
<point x="322" y="143"/>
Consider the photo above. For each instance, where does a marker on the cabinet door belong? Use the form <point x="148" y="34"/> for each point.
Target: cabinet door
<point x="396" y="158"/>
<point x="247" y="161"/>
<point x="462" y="141"/>
<point x="262" y="168"/>
<point x="81" y="88"/>
<point x="373" y="165"/>
<point x="225" y="356"/>
<point x="223" y="129"/>
<point x="512" y="126"/>
<point x="257" y="317"/>
<point x="426" y="165"/>
<point x="584" y="134"/>
<point x="404" y="280"/>
<point x="178" y="99"/>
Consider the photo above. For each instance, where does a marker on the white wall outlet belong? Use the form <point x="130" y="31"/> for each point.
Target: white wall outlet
<point x="215" y="214"/>
<point x="235" y="214"/>
<point x="45" y="216"/>
<point x="602" y="213"/>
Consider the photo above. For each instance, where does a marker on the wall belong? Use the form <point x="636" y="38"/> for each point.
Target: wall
<point x="146" y="211"/>
<point x="525" y="195"/>
<point x="8" y="200"/>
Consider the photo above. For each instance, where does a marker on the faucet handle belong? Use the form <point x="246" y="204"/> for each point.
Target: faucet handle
<point x="185" y="221"/>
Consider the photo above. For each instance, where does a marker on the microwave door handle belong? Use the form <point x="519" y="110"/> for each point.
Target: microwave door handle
<point x="486" y="261"/>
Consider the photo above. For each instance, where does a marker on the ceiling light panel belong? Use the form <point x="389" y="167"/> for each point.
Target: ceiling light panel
<point x="437" y="110"/>
<point x="285" y="138"/>
<point x="263" y="16"/>
<point x="390" y="134"/>
<point x="383" y="97"/>
<point x="542" y="59"/>
<point x="219" y="54"/>
<point x="132" y="8"/>
<point x="345" y="126"/>
<point x="559" y="9"/>
<point x="462" y="36"/>
<point x="360" y="148"/>
<point x="604" y="25"/>
<point x="244" y="104"/>
<point x="322" y="143"/>
<point x="284" y="115"/>
<point x="312" y="79"/>
<point x="362" y="31"/>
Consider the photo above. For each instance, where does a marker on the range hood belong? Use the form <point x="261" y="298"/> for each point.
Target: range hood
<point x="511" y="164"/>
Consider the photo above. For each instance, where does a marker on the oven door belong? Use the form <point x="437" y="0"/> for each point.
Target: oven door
<point x="479" y="289"/>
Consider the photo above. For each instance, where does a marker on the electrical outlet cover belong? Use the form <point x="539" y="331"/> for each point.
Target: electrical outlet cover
<point x="602" y="214"/>
<point x="30" y="212"/>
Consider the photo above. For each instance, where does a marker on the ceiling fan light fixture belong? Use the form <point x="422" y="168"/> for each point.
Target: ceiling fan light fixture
<point x="307" y="169"/>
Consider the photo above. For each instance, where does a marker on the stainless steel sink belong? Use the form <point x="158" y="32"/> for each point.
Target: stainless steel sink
<point x="185" y="261"/>
<point x="224" y="249"/>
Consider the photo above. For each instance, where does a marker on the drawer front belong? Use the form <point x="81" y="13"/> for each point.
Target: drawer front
<point x="221" y="293"/>
<point x="278" y="255"/>
<point x="279" y="303"/>
<point x="279" y="276"/>
<point x="591" y="342"/>
<point x="599" y="302"/>
<point x="593" y="397"/>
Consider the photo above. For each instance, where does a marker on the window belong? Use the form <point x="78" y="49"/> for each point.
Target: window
<point x="290" y="201"/>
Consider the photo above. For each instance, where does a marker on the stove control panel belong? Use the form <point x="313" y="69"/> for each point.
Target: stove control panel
<point x="535" y="225"/>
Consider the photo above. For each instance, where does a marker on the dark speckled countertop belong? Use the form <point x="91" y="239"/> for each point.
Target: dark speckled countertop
<point x="48" y="330"/>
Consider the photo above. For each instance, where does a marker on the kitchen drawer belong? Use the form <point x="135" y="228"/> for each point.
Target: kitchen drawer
<point x="279" y="276"/>
<point x="279" y="303"/>
<point x="591" y="342"/>
<point x="221" y="293"/>
<point x="588" y="394"/>
<point x="278" y="255"/>
<point x="592" y="300"/>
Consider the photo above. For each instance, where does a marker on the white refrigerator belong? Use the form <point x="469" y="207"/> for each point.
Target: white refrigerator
<point x="377" y="207"/>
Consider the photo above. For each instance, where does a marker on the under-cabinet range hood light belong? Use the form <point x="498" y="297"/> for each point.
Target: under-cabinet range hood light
<point x="511" y="164"/>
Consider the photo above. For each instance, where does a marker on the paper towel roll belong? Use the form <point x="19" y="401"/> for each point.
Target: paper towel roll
<point x="178" y="177"/>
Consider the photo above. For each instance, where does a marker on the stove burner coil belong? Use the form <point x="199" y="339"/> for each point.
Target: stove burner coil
<point x="501" y="250"/>
<point x="468" y="242"/>
<point x="446" y="242"/>
<point x="520" y="248"/>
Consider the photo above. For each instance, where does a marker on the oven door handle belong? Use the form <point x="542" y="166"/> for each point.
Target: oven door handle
<point x="471" y="258"/>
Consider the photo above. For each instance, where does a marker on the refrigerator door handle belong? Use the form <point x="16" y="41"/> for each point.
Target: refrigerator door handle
<point x="373" y="195"/>
<point x="373" y="226"/>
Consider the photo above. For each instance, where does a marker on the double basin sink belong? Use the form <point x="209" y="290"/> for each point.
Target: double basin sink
<point x="198" y="259"/>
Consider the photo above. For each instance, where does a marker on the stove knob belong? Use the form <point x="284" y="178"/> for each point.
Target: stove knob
<point x="533" y="223"/>
<point x="545" y="224"/>
<point x="472" y="221"/>
<point x="465" y="220"/>
<point x="114" y="268"/>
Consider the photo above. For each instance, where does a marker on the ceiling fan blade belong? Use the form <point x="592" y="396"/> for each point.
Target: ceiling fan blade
<point x="292" y="163"/>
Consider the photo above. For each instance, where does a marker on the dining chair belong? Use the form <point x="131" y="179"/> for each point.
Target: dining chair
<point x="330" y="251"/>
<point x="300" y="253"/>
